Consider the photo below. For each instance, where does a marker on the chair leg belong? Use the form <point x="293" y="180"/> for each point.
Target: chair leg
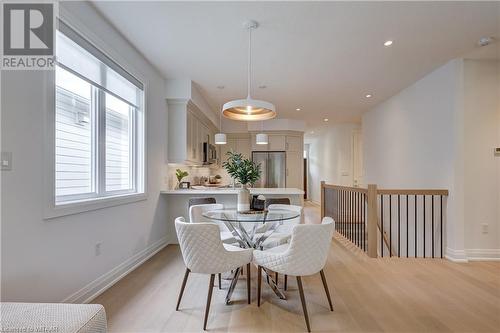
<point x="248" y="283"/>
<point x="325" y="285"/>
<point x="303" y="301"/>
<point x="286" y="282"/>
<point x="220" y="281"/>
<point x="186" y="274"/>
<point x="209" y="298"/>
<point x="259" y="284"/>
<point x="276" y="276"/>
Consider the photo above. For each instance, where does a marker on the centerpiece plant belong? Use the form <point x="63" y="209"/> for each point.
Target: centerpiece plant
<point x="245" y="172"/>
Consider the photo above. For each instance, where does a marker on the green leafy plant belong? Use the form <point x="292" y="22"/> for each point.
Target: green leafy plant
<point x="242" y="169"/>
<point x="181" y="174"/>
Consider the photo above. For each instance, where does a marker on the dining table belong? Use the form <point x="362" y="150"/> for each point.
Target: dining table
<point x="250" y="229"/>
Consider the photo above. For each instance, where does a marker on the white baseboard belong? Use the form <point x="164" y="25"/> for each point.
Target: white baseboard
<point x="473" y="255"/>
<point x="483" y="254"/>
<point x="455" y="255"/>
<point x="104" y="282"/>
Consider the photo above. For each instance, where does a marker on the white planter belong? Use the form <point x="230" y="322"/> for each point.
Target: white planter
<point x="243" y="199"/>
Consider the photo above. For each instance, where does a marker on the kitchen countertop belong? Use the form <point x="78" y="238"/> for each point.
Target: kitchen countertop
<point x="214" y="191"/>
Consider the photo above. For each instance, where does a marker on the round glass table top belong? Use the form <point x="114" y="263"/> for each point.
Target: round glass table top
<point x="251" y="216"/>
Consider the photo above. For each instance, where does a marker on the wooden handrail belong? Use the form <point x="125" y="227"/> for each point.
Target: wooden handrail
<point x="346" y="188"/>
<point x="412" y="192"/>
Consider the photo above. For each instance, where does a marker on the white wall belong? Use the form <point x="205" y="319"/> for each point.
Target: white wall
<point x="50" y="260"/>
<point x="330" y="157"/>
<point x="440" y="133"/>
<point x="481" y="178"/>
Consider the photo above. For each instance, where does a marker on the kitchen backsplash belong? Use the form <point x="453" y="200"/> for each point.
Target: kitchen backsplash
<point x="195" y="173"/>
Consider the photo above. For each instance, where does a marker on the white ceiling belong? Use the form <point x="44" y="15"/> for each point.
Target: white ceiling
<point x="322" y="57"/>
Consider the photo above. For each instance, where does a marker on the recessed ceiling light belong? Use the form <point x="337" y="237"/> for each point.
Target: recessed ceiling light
<point x="297" y="109"/>
<point x="326" y="119"/>
<point x="388" y="43"/>
<point x="312" y="132"/>
<point x="368" y="95"/>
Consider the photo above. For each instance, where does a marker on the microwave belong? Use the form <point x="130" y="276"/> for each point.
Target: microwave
<point x="209" y="153"/>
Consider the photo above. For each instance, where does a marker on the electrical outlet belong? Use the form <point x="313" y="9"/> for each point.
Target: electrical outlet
<point x="484" y="228"/>
<point x="98" y="249"/>
<point x="6" y="161"/>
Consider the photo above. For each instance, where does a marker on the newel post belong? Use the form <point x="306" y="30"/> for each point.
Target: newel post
<point x="322" y="199"/>
<point x="372" y="220"/>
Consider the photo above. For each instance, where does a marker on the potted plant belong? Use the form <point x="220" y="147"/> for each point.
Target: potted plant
<point x="218" y="179"/>
<point x="180" y="175"/>
<point x="244" y="171"/>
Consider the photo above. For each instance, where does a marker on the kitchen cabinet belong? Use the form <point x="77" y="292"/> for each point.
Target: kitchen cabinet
<point x="294" y="169"/>
<point x="188" y="129"/>
<point x="276" y="142"/>
<point x="294" y="143"/>
<point x="236" y="144"/>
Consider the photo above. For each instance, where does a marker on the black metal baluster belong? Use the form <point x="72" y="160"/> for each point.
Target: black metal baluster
<point x="407" y="224"/>
<point x="390" y="225"/>
<point x="382" y="225"/>
<point x="432" y="231"/>
<point x="424" y="223"/>
<point x="357" y="220"/>
<point x="415" y="226"/>
<point x="351" y="201"/>
<point x="399" y="225"/>
<point x="441" y="225"/>
<point x="364" y="220"/>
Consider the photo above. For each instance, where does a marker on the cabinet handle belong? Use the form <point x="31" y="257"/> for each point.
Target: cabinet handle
<point x="287" y="172"/>
<point x="286" y="146"/>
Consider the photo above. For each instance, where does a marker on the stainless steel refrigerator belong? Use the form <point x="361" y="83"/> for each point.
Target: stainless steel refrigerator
<point x="273" y="166"/>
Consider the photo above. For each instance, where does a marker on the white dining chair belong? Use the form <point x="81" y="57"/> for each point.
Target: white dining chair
<point x="203" y="252"/>
<point x="196" y="216"/>
<point x="283" y="232"/>
<point x="305" y="255"/>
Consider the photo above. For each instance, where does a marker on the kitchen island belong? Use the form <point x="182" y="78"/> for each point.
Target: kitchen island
<point x="177" y="200"/>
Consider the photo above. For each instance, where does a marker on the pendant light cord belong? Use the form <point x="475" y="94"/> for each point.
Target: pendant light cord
<point x="249" y="82"/>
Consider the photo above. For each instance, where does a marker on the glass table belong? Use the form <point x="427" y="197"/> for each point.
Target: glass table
<point x="251" y="229"/>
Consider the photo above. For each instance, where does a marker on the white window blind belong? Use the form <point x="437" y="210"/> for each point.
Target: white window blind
<point x="99" y="137"/>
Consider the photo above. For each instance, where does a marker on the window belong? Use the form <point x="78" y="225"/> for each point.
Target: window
<point x="99" y="124"/>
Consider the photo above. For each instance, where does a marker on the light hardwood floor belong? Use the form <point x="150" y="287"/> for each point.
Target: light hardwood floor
<point x="369" y="295"/>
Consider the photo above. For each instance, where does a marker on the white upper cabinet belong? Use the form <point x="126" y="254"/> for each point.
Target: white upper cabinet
<point x="294" y="143"/>
<point x="187" y="131"/>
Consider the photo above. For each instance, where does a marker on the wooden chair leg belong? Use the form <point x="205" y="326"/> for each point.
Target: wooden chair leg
<point x="209" y="298"/>
<point x="220" y="281"/>
<point x="303" y="301"/>
<point x="286" y="282"/>
<point x="259" y="284"/>
<point x="325" y="285"/>
<point x="186" y="274"/>
<point x="248" y="283"/>
<point x="276" y="276"/>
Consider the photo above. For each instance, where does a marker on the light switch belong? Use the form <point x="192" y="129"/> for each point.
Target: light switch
<point x="6" y="161"/>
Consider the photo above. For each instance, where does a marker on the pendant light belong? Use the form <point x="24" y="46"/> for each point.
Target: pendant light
<point x="261" y="138"/>
<point x="249" y="109"/>
<point x="220" y="138"/>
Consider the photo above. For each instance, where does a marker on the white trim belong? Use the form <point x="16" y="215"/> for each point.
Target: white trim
<point x="53" y="211"/>
<point x="455" y="255"/>
<point x="483" y="254"/>
<point x="107" y="280"/>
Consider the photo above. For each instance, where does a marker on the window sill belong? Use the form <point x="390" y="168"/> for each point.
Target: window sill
<point x="82" y="206"/>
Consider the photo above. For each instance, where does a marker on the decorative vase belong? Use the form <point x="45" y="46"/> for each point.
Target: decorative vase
<point x="243" y="199"/>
